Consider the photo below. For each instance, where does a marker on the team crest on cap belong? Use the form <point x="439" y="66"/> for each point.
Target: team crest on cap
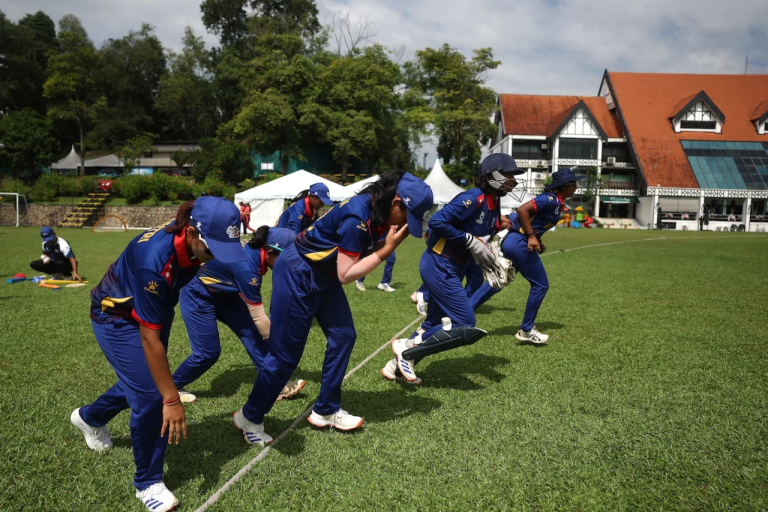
<point x="407" y="200"/>
<point x="233" y="232"/>
<point x="199" y="225"/>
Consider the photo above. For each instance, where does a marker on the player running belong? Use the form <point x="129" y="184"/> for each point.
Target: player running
<point x="454" y="239"/>
<point x="523" y="245"/>
<point x="231" y="294"/>
<point x="132" y="310"/>
<point x="304" y="207"/>
<point x="307" y="284"/>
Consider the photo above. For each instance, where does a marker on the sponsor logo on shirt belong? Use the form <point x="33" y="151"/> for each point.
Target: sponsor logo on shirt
<point x="468" y="203"/>
<point x="557" y="210"/>
<point x="362" y="226"/>
<point x="481" y="218"/>
<point x="151" y="287"/>
<point x="233" y="232"/>
<point x="254" y="282"/>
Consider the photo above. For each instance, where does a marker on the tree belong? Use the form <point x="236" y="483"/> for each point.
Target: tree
<point x="23" y="62"/>
<point x="28" y="141"/>
<point x="128" y="76"/>
<point x="71" y="83"/>
<point x="227" y="159"/>
<point x="135" y="148"/>
<point x="187" y="97"/>
<point x="449" y="99"/>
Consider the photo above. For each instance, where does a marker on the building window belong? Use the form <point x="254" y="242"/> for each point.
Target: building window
<point x="699" y="118"/>
<point x="618" y="151"/>
<point x="529" y="149"/>
<point x="267" y="166"/>
<point x="698" y="125"/>
<point x="728" y="165"/>
<point x="579" y="149"/>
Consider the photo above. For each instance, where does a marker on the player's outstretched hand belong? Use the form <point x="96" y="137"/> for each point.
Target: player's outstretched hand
<point x="174" y="422"/>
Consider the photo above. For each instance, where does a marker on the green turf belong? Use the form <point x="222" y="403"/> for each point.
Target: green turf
<point x="650" y="395"/>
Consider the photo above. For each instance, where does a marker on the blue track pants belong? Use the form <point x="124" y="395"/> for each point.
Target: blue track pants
<point x="447" y="297"/>
<point x="299" y="294"/>
<point x="121" y="343"/>
<point x="474" y="274"/>
<point x="529" y="265"/>
<point x="200" y="312"/>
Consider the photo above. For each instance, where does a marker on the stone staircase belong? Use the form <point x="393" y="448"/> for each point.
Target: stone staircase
<point x="619" y="223"/>
<point x="87" y="210"/>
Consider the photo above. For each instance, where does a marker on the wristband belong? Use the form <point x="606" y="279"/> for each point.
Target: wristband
<point x="529" y="235"/>
<point x="172" y="401"/>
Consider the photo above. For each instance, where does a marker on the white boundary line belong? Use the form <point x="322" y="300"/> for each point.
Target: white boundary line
<point x="263" y="453"/>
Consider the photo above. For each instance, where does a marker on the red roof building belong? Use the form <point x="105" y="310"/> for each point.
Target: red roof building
<point x="667" y="147"/>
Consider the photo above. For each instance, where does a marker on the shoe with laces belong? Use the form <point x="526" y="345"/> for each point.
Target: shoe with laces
<point x="532" y="336"/>
<point x="291" y="389"/>
<point x="385" y="287"/>
<point x="421" y="304"/>
<point x="404" y="365"/>
<point x="187" y="397"/>
<point x="253" y="433"/>
<point x="360" y="285"/>
<point x="158" y="498"/>
<point x="340" y="420"/>
<point x="392" y="372"/>
<point x="97" y="438"/>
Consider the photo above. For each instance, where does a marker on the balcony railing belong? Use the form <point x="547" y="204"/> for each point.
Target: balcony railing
<point x="618" y="185"/>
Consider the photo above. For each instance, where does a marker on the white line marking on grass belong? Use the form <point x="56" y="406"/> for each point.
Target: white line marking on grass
<point x="263" y="453"/>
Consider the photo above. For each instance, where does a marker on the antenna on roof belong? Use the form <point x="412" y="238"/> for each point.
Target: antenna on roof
<point x="746" y="64"/>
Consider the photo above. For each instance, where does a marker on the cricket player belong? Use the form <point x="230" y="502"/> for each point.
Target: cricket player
<point x="231" y="294"/>
<point x="304" y="207"/>
<point x="454" y="239"/>
<point x="307" y="280"/>
<point x="57" y="258"/>
<point x="523" y="245"/>
<point x="132" y="310"/>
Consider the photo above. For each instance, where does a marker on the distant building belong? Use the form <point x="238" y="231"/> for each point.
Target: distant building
<point x="681" y="143"/>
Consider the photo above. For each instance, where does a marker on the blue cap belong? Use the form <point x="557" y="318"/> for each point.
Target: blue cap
<point x="47" y="234"/>
<point x="280" y="238"/>
<point x="501" y="162"/>
<point x="321" y="191"/>
<point x="417" y="197"/>
<point x="561" y="177"/>
<point x="217" y="220"/>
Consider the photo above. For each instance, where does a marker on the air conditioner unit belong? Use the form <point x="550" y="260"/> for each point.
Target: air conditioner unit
<point x="542" y="163"/>
<point x="539" y="176"/>
<point x="611" y="160"/>
<point x="545" y="146"/>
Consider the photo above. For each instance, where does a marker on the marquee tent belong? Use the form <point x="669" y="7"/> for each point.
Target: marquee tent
<point x="443" y="189"/>
<point x="355" y="188"/>
<point x="71" y="161"/>
<point x="267" y="200"/>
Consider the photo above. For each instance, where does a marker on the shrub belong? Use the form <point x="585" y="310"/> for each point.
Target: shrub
<point x="270" y="176"/>
<point x="214" y="186"/>
<point x="247" y="184"/>
<point x="180" y="189"/>
<point x="159" y="185"/>
<point x="134" y="188"/>
<point x="16" y="187"/>
<point x="87" y="185"/>
<point x="69" y="187"/>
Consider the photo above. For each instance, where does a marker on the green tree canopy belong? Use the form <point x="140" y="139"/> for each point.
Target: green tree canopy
<point x="28" y="141"/>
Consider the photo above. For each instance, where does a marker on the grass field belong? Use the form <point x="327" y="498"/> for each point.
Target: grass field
<point x="652" y="393"/>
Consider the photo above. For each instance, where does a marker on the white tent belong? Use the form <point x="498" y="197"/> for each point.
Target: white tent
<point x="267" y="200"/>
<point x="105" y="161"/>
<point x="355" y="188"/>
<point x="71" y="161"/>
<point x="443" y="189"/>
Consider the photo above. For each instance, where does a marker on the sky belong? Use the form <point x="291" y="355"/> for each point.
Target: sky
<point x="545" y="46"/>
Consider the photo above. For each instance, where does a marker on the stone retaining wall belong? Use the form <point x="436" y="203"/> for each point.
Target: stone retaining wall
<point x="53" y="214"/>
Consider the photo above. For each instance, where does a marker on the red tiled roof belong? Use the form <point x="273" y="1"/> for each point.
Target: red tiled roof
<point x="761" y="109"/>
<point x="646" y="100"/>
<point x="528" y="114"/>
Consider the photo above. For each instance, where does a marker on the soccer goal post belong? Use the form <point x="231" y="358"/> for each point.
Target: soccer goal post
<point x="110" y="224"/>
<point x="26" y="206"/>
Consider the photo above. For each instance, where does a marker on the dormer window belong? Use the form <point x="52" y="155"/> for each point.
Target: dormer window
<point x="760" y="118"/>
<point x="698" y="114"/>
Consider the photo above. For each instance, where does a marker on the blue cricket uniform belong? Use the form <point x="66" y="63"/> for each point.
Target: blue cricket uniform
<point x="297" y="217"/>
<point x="447" y="260"/>
<point x="306" y="286"/>
<point x="220" y="292"/>
<point x="140" y="288"/>
<point x="514" y="247"/>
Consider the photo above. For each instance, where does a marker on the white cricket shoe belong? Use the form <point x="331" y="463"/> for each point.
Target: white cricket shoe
<point x="391" y="372"/>
<point x="292" y="389"/>
<point x="187" y="397"/>
<point x="158" y="498"/>
<point x="360" y="285"/>
<point x="253" y="433"/>
<point x="421" y="304"/>
<point x="97" y="438"/>
<point x="533" y="336"/>
<point x="404" y="365"/>
<point x="415" y="297"/>
<point x="385" y="287"/>
<point x="340" y="420"/>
